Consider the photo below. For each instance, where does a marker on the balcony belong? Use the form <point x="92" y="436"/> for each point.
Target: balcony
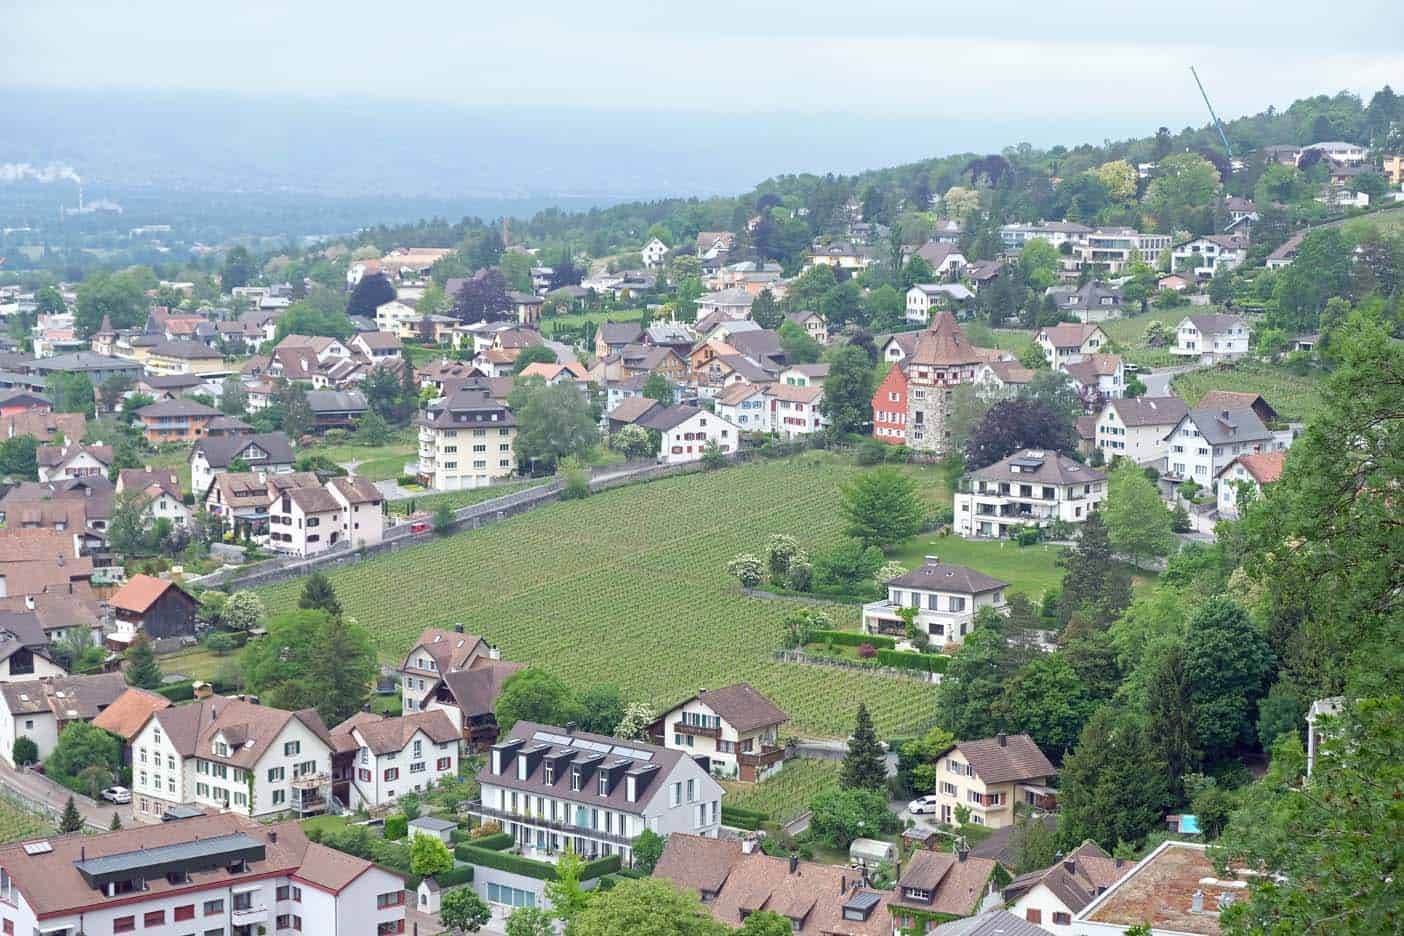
<point x="310" y="781"/>
<point x="767" y="755"/>
<point x="249" y="916"/>
<point x="697" y="730"/>
<point x="541" y="822"/>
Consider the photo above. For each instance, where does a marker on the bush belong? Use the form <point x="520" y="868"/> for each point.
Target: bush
<point x="1028" y="536"/>
<point x="866" y="651"/>
<point x="396" y="827"/>
<point x="459" y="875"/>
<point x="178" y="692"/>
<point x="497" y="841"/>
<point x="404" y="480"/>
<point x="854" y="639"/>
<point x="871" y="452"/>
<point x="540" y="870"/>
<point x="25" y="751"/>
<point x="898" y="454"/>
<point x="922" y="662"/>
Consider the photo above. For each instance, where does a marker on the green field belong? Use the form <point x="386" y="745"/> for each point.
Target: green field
<point x="576" y="319"/>
<point x="177" y="459"/>
<point x="17" y="823"/>
<point x="1029" y="569"/>
<point x="1296" y="398"/>
<point x="788" y="793"/>
<point x="377" y="463"/>
<point x="627" y="587"/>
<point x="454" y="499"/>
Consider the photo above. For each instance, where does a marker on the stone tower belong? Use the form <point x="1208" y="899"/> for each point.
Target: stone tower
<point x="942" y="359"/>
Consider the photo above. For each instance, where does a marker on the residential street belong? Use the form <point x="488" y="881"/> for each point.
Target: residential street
<point x="1158" y="383"/>
<point x="34" y="789"/>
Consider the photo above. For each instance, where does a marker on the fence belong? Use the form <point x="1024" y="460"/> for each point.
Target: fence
<point x="43" y="805"/>
<point x="798" y="656"/>
<point x="471" y="517"/>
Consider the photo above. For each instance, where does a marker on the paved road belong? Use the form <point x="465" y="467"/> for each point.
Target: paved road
<point x="1158" y="383"/>
<point x="38" y="789"/>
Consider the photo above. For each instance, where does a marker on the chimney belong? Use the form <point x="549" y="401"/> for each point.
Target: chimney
<point x="843" y="883"/>
<point x="794" y="864"/>
<point x="1002" y="739"/>
<point x="365" y="707"/>
<point x="570" y="727"/>
<point x="1120" y="862"/>
<point x="458" y="628"/>
<point x="494" y="653"/>
<point x="1224" y="415"/>
<point x="29" y="602"/>
<point x="963" y="853"/>
<point x="1197" y="902"/>
<point x="702" y="691"/>
<point x="1070" y="866"/>
<point x="748" y="844"/>
<point x="273" y="836"/>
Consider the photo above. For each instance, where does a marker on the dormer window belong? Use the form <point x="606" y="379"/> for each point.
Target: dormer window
<point x="221" y="749"/>
<point x="521" y="768"/>
<point x="575" y="779"/>
<point x="550" y="772"/>
<point x="604" y="784"/>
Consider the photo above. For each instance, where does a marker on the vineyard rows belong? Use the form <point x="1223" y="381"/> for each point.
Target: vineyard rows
<point x="788" y="793"/>
<point x="18" y="823"/>
<point x="627" y="587"/>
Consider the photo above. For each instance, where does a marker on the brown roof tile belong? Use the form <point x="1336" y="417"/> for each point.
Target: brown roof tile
<point x="1006" y="758"/>
<point x="741" y="706"/>
<point x="129" y="714"/>
<point x="384" y="735"/>
<point x="957" y="886"/>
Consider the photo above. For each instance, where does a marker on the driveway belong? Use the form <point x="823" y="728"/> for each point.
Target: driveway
<point x="1158" y="382"/>
<point x="36" y="790"/>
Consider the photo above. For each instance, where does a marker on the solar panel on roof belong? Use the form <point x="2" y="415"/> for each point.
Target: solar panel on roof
<point x="861" y="901"/>
<point x="633" y="753"/>
<point x="590" y="745"/>
<point x="37" y="848"/>
<point x="552" y="738"/>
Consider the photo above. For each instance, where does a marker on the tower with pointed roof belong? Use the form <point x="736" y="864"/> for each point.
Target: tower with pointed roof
<point x="942" y="359"/>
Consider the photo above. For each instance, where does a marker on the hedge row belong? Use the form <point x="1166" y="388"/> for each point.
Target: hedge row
<point x="750" y="823"/>
<point x="497" y="841"/>
<point x="185" y="691"/>
<point x="852" y="639"/>
<point x="460" y="875"/>
<point x="746" y="812"/>
<point x="925" y="662"/>
<point x="541" y="870"/>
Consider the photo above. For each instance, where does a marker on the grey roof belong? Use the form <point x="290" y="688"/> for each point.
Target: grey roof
<point x="1222" y="427"/>
<point x="757" y="345"/>
<point x="219" y="451"/>
<point x="667" y="418"/>
<point x="612" y="333"/>
<point x="336" y="401"/>
<point x="1039" y="467"/>
<point x="67" y="696"/>
<point x="954" y="290"/>
<point x="432" y="824"/>
<point x="177" y="407"/>
<point x="747" y="368"/>
<point x="84" y="361"/>
<point x="1149" y="411"/>
<point x="941" y="576"/>
<point x="173" y="381"/>
<point x="1215" y="324"/>
<point x="994" y="923"/>
<point x="176" y="854"/>
<point x="669" y="333"/>
<point x="649" y="763"/>
<point x="470" y="405"/>
<point x="187" y="350"/>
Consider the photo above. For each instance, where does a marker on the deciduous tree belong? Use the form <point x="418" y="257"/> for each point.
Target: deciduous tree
<point x="880" y="507"/>
<point x="1012" y="425"/>
<point x="646" y="907"/>
<point x="1138" y="522"/>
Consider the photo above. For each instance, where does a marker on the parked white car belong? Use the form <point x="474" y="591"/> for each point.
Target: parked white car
<point x="922" y="805"/>
<point x="117" y="794"/>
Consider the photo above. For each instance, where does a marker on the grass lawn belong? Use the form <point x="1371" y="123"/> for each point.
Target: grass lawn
<point x="628" y="587"/>
<point x="454" y="499"/>
<point x="1128" y="332"/>
<point x="576" y="319"/>
<point x="17" y="823"/>
<point x="1028" y="569"/>
<point x="379" y="462"/>
<point x="325" y="824"/>
<point x="179" y="460"/>
<point x="787" y="794"/>
<point x="197" y="663"/>
<point x="1296" y="398"/>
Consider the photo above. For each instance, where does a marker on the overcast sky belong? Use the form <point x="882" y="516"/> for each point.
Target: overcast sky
<point x="885" y="57"/>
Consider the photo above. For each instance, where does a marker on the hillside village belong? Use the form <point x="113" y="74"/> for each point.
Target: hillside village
<point x="970" y="497"/>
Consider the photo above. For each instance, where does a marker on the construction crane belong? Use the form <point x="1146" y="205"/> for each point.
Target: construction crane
<point x="1217" y="125"/>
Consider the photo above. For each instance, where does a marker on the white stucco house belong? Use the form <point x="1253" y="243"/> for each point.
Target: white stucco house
<point x="1211" y="338"/>
<point x="687" y="431"/>
<point x="946" y="598"/>
<point x="734" y="730"/>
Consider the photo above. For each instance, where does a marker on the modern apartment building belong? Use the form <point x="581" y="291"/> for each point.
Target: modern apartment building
<point x="1029" y="488"/>
<point x="1114" y="250"/>
<point x="465" y="440"/>
<point x="218" y="874"/>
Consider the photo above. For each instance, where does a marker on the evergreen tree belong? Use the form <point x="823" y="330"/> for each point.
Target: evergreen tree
<point x="864" y="766"/>
<point x="142" y="669"/>
<point x="116" y="824"/>
<point x="848" y="391"/>
<point x="342" y="669"/>
<point x="1095" y="586"/>
<point x="1227" y="665"/>
<point x="72" y="819"/>
<point x="317" y="592"/>
<point x="1112" y="786"/>
<point x="1169" y="713"/>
